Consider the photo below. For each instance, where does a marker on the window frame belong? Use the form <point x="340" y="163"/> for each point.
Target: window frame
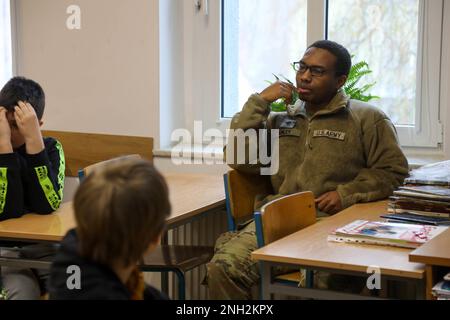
<point x="428" y="130"/>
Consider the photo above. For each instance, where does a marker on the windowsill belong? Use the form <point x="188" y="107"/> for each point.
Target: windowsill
<point x="196" y="152"/>
<point x="216" y="152"/>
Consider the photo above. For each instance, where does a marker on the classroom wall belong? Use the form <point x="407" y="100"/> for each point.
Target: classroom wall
<point x="103" y="78"/>
<point x="171" y="49"/>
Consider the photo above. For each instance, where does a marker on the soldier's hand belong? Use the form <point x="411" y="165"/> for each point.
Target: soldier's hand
<point x="329" y="203"/>
<point x="277" y="91"/>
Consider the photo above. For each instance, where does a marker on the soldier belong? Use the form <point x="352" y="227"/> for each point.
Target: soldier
<point x="344" y="151"/>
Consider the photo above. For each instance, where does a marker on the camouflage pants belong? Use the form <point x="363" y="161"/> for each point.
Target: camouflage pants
<point x="231" y="272"/>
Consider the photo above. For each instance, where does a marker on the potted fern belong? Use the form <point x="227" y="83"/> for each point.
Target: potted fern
<point x="3" y="294"/>
<point x="357" y="72"/>
<point x="351" y="88"/>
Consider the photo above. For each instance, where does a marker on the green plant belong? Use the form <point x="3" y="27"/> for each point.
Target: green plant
<point x="280" y="105"/>
<point x="3" y="294"/>
<point x="357" y="72"/>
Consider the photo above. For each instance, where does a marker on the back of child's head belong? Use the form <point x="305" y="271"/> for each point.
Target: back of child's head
<point x="26" y="90"/>
<point x="120" y="210"/>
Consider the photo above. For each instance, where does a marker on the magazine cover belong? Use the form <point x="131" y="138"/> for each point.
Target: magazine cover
<point x="406" y="235"/>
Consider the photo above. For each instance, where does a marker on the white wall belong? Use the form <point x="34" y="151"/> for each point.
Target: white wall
<point x="103" y="78"/>
<point x="172" y="112"/>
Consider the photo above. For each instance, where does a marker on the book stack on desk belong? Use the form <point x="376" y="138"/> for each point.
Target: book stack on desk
<point x="424" y="198"/>
<point x="442" y="290"/>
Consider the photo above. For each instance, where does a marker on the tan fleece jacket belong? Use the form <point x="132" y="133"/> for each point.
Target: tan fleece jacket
<point x="350" y="147"/>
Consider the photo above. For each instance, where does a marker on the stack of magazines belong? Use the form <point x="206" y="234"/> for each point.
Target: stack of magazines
<point x="442" y="290"/>
<point x="386" y="233"/>
<point x="424" y="198"/>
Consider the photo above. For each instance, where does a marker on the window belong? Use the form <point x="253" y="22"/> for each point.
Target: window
<point x="401" y="41"/>
<point x="261" y="37"/>
<point x="5" y="42"/>
<point x="371" y="27"/>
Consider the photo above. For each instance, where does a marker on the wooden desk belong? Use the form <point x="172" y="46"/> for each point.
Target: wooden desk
<point x="309" y="248"/>
<point x="436" y="255"/>
<point x="190" y="196"/>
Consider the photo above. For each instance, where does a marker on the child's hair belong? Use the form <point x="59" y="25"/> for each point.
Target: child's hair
<point x="120" y="210"/>
<point x="26" y="90"/>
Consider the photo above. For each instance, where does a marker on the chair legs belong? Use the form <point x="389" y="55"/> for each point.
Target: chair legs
<point x="181" y="285"/>
<point x="165" y="281"/>
<point x="309" y="281"/>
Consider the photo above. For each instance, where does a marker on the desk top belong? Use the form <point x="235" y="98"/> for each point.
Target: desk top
<point x="436" y="252"/>
<point x="309" y="247"/>
<point x="190" y="195"/>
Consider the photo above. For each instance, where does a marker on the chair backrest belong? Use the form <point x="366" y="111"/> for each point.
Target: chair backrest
<point x="241" y="189"/>
<point x="284" y="216"/>
<point x="82" y="173"/>
<point x="84" y="149"/>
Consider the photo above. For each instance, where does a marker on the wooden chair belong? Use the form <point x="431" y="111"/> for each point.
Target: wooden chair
<point x="283" y="217"/>
<point x="241" y="189"/>
<point x="178" y="259"/>
<point x="84" y="149"/>
<point x="82" y="173"/>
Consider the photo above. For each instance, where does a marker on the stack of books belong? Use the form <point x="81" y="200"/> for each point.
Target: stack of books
<point x="424" y="198"/>
<point x="442" y="290"/>
<point x="386" y="233"/>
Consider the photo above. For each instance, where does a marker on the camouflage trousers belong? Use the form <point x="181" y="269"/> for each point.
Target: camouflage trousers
<point x="232" y="273"/>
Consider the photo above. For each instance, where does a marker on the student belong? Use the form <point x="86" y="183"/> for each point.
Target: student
<point x="120" y="212"/>
<point x="344" y="151"/>
<point x="31" y="172"/>
<point x="31" y="168"/>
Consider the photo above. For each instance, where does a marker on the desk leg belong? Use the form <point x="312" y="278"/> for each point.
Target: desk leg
<point x="265" y="281"/>
<point x="430" y="281"/>
<point x="165" y="275"/>
<point x="384" y="292"/>
<point x="420" y="290"/>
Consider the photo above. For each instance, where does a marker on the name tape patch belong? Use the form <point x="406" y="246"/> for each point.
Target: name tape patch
<point x="336" y="135"/>
<point x="290" y="132"/>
